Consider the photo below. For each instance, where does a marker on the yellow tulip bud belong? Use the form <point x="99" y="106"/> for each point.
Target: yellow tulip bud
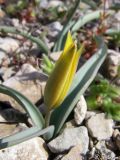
<point x="62" y="75"/>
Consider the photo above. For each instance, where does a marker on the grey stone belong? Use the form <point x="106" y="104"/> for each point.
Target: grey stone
<point x="33" y="149"/>
<point x="111" y="64"/>
<point x="7" y="116"/>
<point x="91" y="143"/>
<point x="5" y="128"/>
<point x="29" y="82"/>
<point x="20" y="127"/>
<point x="8" y="72"/>
<point x="43" y="4"/>
<point x="54" y="28"/>
<point x="54" y="3"/>
<point x="114" y="57"/>
<point x="15" y="22"/>
<point x="55" y="55"/>
<point x="73" y="154"/>
<point x="89" y="114"/>
<point x="105" y="153"/>
<point x="117" y="15"/>
<point x="100" y="152"/>
<point x="80" y="111"/>
<point x="43" y="109"/>
<point x="12" y="115"/>
<point x="2" y="56"/>
<point x="59" y="157"/>
<point x="116" y="137"/>
<point x="8" y="44"/>
<point x="100" y="127"/>
<point x="70" y="138"/>
<point x="70" y="124"/>
<point x="110" y="144"/>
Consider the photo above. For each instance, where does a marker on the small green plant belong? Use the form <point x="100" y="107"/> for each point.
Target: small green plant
<point x="47" y="65"/>
<point x="104" y="96"/>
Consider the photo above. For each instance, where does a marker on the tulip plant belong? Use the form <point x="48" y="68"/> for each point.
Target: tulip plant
<point x="62" y="91"/>
<point x="64" y="87"/>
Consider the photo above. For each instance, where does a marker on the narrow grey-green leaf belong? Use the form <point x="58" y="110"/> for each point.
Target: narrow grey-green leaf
<point x="87" y="18"/>
<point x="82" y="80"/>
<point x="30" y="108"/>
<point x="24" y="135"/>
<point x="38" y="41"/>
<point x="62" y="35"/>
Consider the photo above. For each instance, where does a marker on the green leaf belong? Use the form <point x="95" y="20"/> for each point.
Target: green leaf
<point x="24" y="135"/>
<point x="38" y="41"/>
<point x="47" y="65"/>
<point x="30" y="108"/>
<point x="87" y="18"/>
<point x="113" y="110"/>
<point x="75" y="26"/>
<point x="47" y="61"/>
<point x="62" y="35"/>
<point x="82" y="80"/>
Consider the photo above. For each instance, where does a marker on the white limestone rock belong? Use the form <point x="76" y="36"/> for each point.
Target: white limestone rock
<point x="80" y="111"/>
<point x="27" y="81"/>
<point x="100" y="127"/>
<point x="8" y="44"/>
<point x="73" y="154"/>
<point x="33" y="149"/>
<point x="70" y="138"/>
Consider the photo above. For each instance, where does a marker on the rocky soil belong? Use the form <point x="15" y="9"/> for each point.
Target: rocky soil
<point x="87" y="135"/>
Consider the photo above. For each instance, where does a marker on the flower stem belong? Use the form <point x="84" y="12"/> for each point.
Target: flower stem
<point x="47" y="118"/>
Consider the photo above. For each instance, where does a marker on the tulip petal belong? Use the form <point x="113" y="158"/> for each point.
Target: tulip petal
<point x="58" y="78"/>
<point x="71" y="71"/>
<point x="68" y="43"/>
<point x="76" y="60"/>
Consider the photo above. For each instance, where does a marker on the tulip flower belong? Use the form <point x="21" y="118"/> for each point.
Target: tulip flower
<point x="62" y="75"/>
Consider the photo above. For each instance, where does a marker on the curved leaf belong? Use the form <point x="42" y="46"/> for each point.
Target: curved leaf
<point x="25" y="135"/>
<point x="38" y="41"/>
<point x="30" y="108"/>
<point x="62" y="35"/>
<point x="87" y="18"/>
